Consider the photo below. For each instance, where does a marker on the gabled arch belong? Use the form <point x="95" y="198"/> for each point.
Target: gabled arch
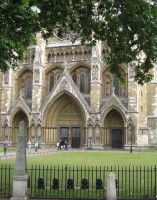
<point x="56" y="101"/>
<point x="15" y="112"/>
<point x="113" y="107"/>
<point x="19" y="115"/>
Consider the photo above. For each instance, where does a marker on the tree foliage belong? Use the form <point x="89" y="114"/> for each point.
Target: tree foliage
<point x="128" y="28"/>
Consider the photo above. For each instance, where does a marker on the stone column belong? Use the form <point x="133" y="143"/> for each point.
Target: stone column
<point x="111" y="187"/>
<point x="20" y="177"/>
<point x="96" y="77"/>
<point x="7" y="87"/>
<point x="37" y="80"/>
<point x="6" y="97"/>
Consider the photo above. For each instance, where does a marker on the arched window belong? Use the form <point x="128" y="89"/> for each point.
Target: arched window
<point x="74" y="77"/>
<point x="49" y="58"/>
<point x="29" y="88"/>
<point x="82" y="82"/>
<point x="52" y="82"/>
<point x="82" y="78"/>
<point x="116" y="85"/>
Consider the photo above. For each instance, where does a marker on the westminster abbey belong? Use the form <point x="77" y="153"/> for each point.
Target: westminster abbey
<point x="65" y="91"/>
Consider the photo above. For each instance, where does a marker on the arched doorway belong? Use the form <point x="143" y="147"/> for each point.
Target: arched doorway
<point x="19" y="116"/>
<point x="115" y="125"/>
<point x="66" y="117"/>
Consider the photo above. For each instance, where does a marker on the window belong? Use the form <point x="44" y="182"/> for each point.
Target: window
<point x="74" y="77"/>
<point x="112" y="84"/>
<point x="52" y="82"/>
<point x="29" y="88"/>
<point x="82" y="78"/>
<point x="53" y="78"/>
<point x="49" y="58"/>
<point x="82" y="82"/>
<point x="116" y="85"/>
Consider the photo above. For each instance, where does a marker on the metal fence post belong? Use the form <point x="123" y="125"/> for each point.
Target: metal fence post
<point x="155" y="182"/>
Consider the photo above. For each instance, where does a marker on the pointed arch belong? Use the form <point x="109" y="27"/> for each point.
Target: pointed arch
<point x="114" y="119"/>
<point x="52" y="75"/>
<point x="20" y="115"/>
<point x="111" y="81"/>
<point x="63" y="98"/>
<point x="81" y="76"/>
<point x="109" y="109"/>
<point x="115" y="131"/>
<point x="24" y="83"/>
<point x="19" y="110"/>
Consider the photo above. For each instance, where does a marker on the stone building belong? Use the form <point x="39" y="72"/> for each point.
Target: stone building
<point x="65" y="91"/>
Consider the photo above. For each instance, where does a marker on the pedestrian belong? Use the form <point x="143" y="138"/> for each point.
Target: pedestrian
<point x="61" y="145"/>
<point x="69" y="144"/>
<point x="36" y="146"/>
<point x="57" y="145"/>
<point x="29" y="145"/>
<point x="65" y="145"/>
<point x="5" y="147"/>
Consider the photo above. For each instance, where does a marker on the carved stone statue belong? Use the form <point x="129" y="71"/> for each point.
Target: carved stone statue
<point x="95" y="72"/>
<point x="37" y="54"/>
<point x="89" y="143"/>
<point x="36" y="75"/>
<point x="6" y="79"/>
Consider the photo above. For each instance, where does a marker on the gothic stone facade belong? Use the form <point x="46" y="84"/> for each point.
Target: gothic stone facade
<point x="65" y="91"/>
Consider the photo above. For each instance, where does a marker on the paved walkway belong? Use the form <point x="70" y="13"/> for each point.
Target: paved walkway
<point x="32" y="153"/>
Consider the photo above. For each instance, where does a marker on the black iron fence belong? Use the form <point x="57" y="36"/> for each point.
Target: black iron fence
<point x="6" y="173"/>
<point x="83" y="182"/>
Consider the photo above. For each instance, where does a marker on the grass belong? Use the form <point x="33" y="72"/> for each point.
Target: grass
<point x="93" y="159"/>
<point x="132" y="181"/>
<point x="9" y="149"/>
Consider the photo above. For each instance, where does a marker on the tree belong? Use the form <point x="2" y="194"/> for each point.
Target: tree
<point x="128" y="28"/>
<point x="18" y="29"/>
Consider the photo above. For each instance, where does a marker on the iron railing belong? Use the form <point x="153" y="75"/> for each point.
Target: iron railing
<point x="6" y="173"/>
<point x="77" y="182"/>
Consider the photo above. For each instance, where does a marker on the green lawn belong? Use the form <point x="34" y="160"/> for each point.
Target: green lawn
<point x="9" y="149"/>
<point x="94" y="159"/>
<point x="133" y="180"/>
